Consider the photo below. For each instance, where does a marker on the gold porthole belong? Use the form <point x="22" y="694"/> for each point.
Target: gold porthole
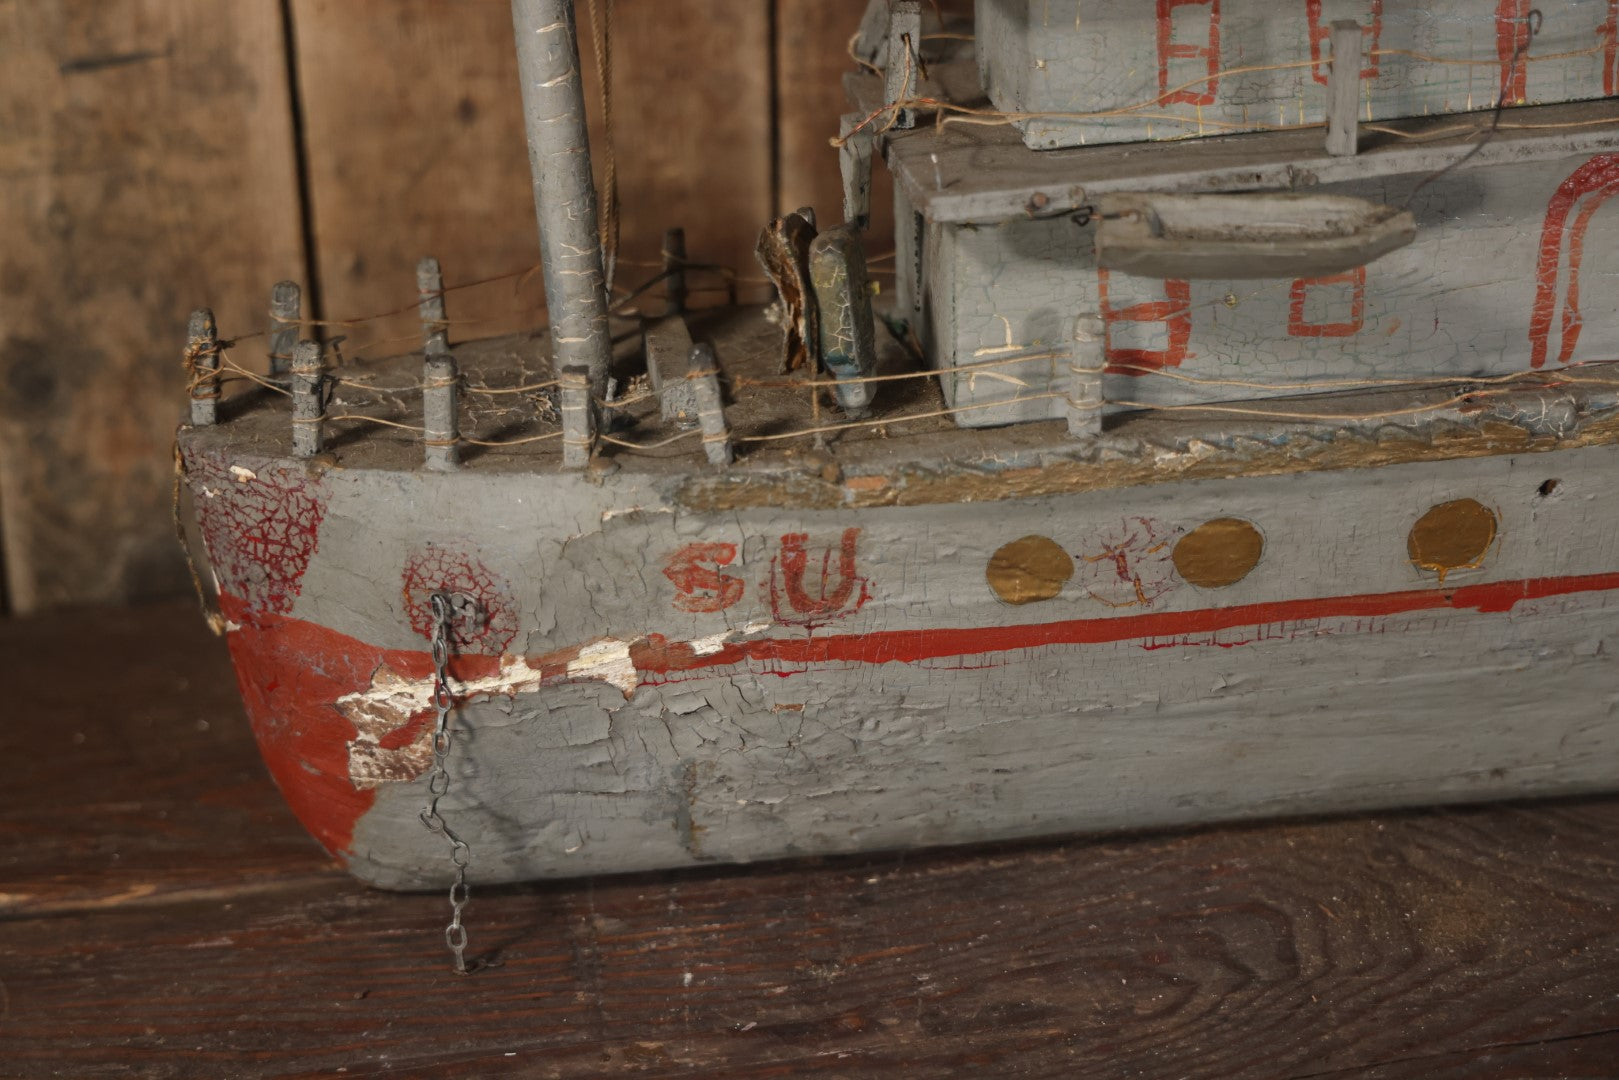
<point x="1219" y="553"/>
<point x="1453" y="535"/>
<point x="1033" y="568"/>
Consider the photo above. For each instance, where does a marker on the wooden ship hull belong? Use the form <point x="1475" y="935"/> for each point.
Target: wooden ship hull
<point x="672" y="668"/>
<point x="847" y="615"/>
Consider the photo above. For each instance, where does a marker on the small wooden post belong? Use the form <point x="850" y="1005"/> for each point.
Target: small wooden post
<point x="578" y="418"/>
<point x="847" y="337"/>
<point x="441" y="436"/>
<point x="705" y="384"/>
<point x="308" y="400"/>
<point x="430" y="304"/>
<point x="674" y="262"/>
<point x="1086" y="359"/>
<point x="854" y="158"/>
<point x="286" y="312"/>
<point x="440" y="423"/>
<point x="904" y="75"/>
<point x="202" y="366"/>
<point x="1343" y="89"/>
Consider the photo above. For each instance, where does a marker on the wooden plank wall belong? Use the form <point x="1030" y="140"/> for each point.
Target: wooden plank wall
<point x="149" y="163"/>
<point x="146" y="167"/>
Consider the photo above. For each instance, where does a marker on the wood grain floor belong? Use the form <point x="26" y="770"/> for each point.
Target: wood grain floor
<point x="161" y="915"/>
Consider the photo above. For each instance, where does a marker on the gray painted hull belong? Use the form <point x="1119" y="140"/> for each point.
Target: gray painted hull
<point x="658" y="684"/>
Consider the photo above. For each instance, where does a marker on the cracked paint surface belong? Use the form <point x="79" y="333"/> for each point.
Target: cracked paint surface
<point x="260" y="525"/>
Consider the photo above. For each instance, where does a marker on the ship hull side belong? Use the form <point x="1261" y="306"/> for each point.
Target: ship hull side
<point x="650" y="686"/>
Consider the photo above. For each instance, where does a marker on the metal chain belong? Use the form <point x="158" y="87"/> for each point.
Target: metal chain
<point x="455" y="935"/>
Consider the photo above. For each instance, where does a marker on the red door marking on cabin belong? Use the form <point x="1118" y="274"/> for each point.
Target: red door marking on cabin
<point x="699" y="585"/>
<point x="824" y="596"/>
<point x="488" y="627"/>
<point x="1297" y="326"/>
<point x="1174" y="311"/>
<point x="1610" y="50"/>
<point x="1129" y="565"/>
<point x="1320" y="31"/>
<point x="1512" y="39"/>
<point x="1169" y="49"/>
<point x="1596" y="181"/>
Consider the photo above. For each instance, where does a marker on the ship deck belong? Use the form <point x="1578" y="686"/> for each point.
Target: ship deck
<point x="795" y="447"/>
<point x="163" y="915"/>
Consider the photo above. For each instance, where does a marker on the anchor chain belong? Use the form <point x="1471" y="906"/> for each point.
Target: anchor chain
<point x="444" y="612"/>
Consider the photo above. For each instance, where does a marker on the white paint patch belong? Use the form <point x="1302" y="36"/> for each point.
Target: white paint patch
<point x="610" y="514"/>
<point x="710" y="645"/>
<point x="393" y="699"/>
<point x="243" y="474"/>
<point x="607" y="660"/>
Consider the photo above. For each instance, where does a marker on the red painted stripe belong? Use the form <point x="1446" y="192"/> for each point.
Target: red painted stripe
<point x="292" y="672"/>
<point x="908" y="646"/>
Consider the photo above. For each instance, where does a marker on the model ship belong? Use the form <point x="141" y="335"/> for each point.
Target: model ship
<point x="1238" y="439"/>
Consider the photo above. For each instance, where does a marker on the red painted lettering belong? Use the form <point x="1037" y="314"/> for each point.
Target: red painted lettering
<point x="1298" y="326"/>
<point x="1201" y="91"/>
<point x="1320" y="31"/>
<point x="1596" y="181"/>
<point x="1512" y="41"/>
<point x="1174" y="311"/>
<point x="699" y="586"/>
<point x="796" y="602"/>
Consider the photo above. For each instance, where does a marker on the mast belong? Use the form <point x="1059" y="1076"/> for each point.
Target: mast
<point x="564" y="193"/>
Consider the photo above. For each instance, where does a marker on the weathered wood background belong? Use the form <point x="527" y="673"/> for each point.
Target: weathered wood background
<point x="158" y="155"/>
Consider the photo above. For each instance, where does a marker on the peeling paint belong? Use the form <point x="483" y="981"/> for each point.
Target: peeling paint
<point x="609" y="661"/>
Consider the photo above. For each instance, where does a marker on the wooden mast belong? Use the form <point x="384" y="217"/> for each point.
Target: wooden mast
<point x="564" y="193"/>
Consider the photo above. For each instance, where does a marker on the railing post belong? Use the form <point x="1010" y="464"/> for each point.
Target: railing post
<point x="202" y="366"/>
<point x="674" y="262"/>
<point x="854" y="160"/>
<point x="286" y="313"/>
<point x="578" y="418"/>
<point x="1086" y="359"/>
<point x="308" y="400"/>
<point x="705" y="384"/>
<point x="847" y="338"/>
<point x="1343" y="89"/>
<point x="903" y="78"/>
<point x="441" y="432"/>
<point x="430" y="305"/>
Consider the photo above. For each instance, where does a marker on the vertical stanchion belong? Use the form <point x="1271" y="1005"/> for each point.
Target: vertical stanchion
<point x="674" y="262"/>
<point x="578" y="418"/>
<point x="1343" y="89"/>
<point x="440" y="422"/>
<point x="202" y="366"/>
<point x="903" y="77"/>
<point x="430" y="303"/>
<point x="441" y="434"/>
<point x="854" y="160"/>
<point x="705" y="383"/>
<point x="286" y="312"/>
<point x="308" y="400"/>
<point x="1086" y="359"/>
